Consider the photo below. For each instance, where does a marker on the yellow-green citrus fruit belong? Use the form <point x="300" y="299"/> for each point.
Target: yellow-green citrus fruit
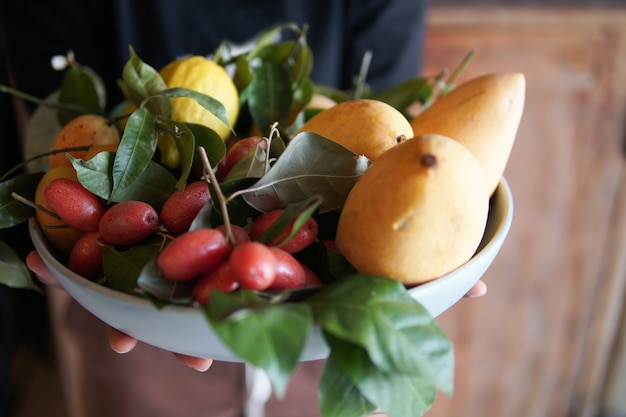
<point x="418" y="212"/>
<point x="205" y="76"/>
<point x="366" y="127"/>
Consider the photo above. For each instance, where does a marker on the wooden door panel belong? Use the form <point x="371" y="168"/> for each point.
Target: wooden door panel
<point x="538" y="343"/>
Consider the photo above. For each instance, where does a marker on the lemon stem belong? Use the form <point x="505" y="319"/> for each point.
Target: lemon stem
<point x="208" y="172"/>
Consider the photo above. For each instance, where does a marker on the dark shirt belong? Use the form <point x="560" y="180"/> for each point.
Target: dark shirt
<point x="100" y="32"/>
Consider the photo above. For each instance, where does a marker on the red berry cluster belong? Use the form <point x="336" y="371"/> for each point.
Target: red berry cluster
<point x="205" y="255"/>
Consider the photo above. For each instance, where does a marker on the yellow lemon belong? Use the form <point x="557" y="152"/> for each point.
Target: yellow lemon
<point x="204" y="76"/>
<point x="365" y="126"/>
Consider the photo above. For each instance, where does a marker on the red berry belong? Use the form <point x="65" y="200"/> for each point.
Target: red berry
<point x="181" y="208"/>
<point x="289" y="273"/>
<point x="312" y="280"/>
<point x="239" y="233"/>
<point x="128" y="222"/>
<point x="220" y="279"/>
<point x="193" y="253"/>
<point x="86" y="256"/>
<point x="236" y="152"/>
<point x="253" y="265"/>
<point x="76" y="206"/>
<point x="303" y="237"/>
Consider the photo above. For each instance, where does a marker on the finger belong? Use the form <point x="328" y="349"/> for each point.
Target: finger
<point x="478" y="290"/>
<point x="39" y="268"/>
<point x="199" y="364"/>
<point x="121" y="342"/>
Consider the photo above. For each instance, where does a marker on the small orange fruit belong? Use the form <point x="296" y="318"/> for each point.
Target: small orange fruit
<point x="85" y="130"/>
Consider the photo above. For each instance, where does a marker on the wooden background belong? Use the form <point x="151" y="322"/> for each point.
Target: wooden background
<point x="541" y="342"/>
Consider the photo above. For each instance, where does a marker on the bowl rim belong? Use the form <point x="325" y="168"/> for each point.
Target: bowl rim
<point x="497" y="232"/>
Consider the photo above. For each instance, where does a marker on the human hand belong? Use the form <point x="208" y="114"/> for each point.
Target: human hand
<point x="119" y="342"/>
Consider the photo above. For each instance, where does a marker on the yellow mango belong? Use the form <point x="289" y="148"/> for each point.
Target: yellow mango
<point x="483" y="114"/>
<point x="418" y="212"/>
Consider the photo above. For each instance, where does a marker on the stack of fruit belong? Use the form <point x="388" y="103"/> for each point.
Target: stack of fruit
<point x="312" y="196"/>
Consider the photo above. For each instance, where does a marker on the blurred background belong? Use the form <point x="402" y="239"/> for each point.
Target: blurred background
<point x="548" y="339"/>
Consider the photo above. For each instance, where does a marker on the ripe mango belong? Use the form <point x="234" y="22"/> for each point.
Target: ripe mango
<point x="366" y="127"/>
<point x="418" y="212"/>
<point x="483" y="114"/>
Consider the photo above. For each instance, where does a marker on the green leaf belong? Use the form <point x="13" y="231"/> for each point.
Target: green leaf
<point x="152" y="282"/>
<point x="123" y="267"/>
<point x="338" y="396"/>
<point x="13" y="271"/>
<point x="399" y="394"/>
<point x="134" y="152"/>
<point x="185" y="145"/>
<point x="269" y="336"/>
<point x="311" y="165"/>
<point x="153" y="186"/>
<point x="295" y="214"/>
<point x="270" y="96"/>
<point x="12" y="212"/>
<point x="402" y="95"/>
<point x="212" y="143"/>
<point x="96" y="174"/>
<point x="252" y="165"/>
<point x="82" y="87"/>
<point x="209" y="103"/>
<point x="397" y="332"/>
<point x="139" y="81"/>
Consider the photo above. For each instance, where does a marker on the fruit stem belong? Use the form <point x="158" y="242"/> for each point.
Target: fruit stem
<point x="273" y="132"/>
<point x="208" y="172"/>
<point x="36" y="206"/>
<point x="365" y="67"/>
<point x="43" y="103"/>
<point x="449" y="85"/>
<point x="34" y="158"/>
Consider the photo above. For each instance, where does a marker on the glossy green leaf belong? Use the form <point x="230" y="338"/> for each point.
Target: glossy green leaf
<point x="270" y="96"/>
<point x="212" y="144"/>
<point x="214" y="106"/>
<point x="13" y="270"/>
<point x="338" y="396"/>
<point x="253" y="165"/>
<point x="96" y="174"/>
<point x="134" y="152"/>
<point x="152" y="282"/>
<point x="311" y="165"/>
<point x="399" y="394"/>
<point x="403" y="95"/>
<point x="13" y="212"/>
<point x="269" y="336"/>
<point x="397" y="332"/>
<point x="185" y="145"/>
<point x="154" y="186"/>
<point x="122" y="268"/>
<point x="82" y="87"/>
<point x="139" y="81"/>
<point x="294" y="215"/>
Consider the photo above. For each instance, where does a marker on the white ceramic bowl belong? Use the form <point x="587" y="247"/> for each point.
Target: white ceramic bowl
<point x="186" y="330"/>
